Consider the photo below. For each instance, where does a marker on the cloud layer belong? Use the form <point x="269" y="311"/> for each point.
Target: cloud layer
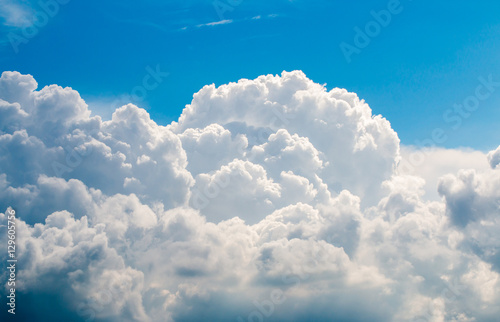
<point x="268" y="200"/>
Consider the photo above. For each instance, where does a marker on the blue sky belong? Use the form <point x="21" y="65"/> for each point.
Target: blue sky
<point x="426" y="59"/>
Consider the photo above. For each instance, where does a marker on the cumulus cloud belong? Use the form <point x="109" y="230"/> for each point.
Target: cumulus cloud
<point x="494" y="158"/>
<point x="360" y="150"/>
<point x="269" y="199"/>
<point x="433" y="163"/>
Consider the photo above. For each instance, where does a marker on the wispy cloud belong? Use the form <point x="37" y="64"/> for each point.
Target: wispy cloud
<point x="215" y="23"/>
<point x="16" y="14"/>
<point x="230" y="21"/>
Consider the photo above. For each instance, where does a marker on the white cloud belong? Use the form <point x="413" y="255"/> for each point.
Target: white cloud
<point x="361" y="151"/>
<point x="270" y="198"/>
<point x="494" y="157"/>
<point x="215" y="23"/>
<point x="433" y="163"/>
<point x="17" y="13"/>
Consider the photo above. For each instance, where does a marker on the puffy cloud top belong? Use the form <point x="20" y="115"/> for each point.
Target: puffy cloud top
<point x="269" y="199"/>
<point x="494" y="158"/>
<point x="359" y="150"/>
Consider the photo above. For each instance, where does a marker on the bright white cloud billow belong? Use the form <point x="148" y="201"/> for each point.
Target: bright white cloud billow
<point x="268" y="200"/>
<point x="494" y="157"/>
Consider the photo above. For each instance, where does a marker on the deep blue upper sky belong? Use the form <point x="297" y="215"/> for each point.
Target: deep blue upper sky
<point x="428" y="57"/>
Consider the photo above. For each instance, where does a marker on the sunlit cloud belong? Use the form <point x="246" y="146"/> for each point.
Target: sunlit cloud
<point x="268" y="198"/>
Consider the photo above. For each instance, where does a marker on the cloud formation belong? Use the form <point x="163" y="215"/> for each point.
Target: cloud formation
<point x="494" y="158"/>
<point x="17" y="14"/>
<point x="269" y="199"/>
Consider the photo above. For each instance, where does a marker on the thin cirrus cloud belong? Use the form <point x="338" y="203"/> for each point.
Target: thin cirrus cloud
<point x="268" y="199"/>
<point x="17" y="14"/>
<point x="215" y="23"/>
<point x="230" y="21"/>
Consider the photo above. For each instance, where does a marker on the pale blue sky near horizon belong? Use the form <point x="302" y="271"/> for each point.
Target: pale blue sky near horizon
<point x="428" y="57"/>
